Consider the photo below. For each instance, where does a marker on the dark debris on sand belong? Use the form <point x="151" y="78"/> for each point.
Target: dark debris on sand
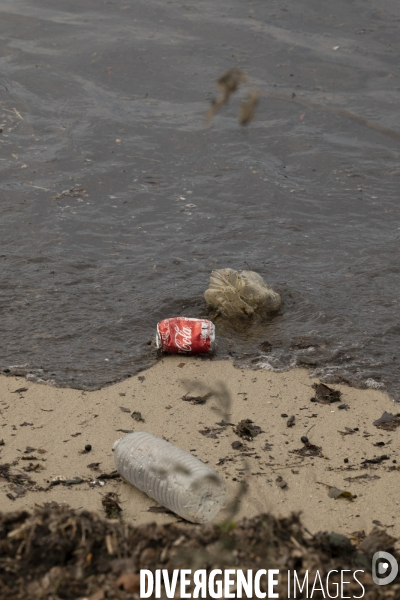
<point x="60" y="553"/>
<point x="325" y="394"/>
<point x="247" y="430"/>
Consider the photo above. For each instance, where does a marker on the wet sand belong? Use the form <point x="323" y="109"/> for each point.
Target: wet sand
<point x="50" y="427"/>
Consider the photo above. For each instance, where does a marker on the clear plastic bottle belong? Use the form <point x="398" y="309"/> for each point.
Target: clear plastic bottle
<point x="171" y="476"/>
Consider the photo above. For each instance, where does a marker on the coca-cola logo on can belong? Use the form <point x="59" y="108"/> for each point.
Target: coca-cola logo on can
<point x="183" y="338"/>
<point x="184" y="335"/>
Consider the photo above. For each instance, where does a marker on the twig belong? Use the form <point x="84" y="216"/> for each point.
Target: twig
<point x="290" y="466"/>
<point x="309" y="532"/>
<point x="325" y="484"/>
<point x="38" y="187"/>
<point x="140" y="157"/>
<point x="310" y="428"/>
<point x="150" y="159"/>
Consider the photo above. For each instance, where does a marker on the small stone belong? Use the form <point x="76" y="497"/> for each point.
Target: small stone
<point x="237" y="445"/>
<point x="88" y="448"/>
<point x="346" y="460"/>
<point x="281" y="483"/>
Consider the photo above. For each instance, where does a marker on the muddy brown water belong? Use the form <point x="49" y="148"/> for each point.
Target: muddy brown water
<point x="117" y="201"/>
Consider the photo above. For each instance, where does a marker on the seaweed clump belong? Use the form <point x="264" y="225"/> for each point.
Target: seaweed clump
<point x="60" y="553"/>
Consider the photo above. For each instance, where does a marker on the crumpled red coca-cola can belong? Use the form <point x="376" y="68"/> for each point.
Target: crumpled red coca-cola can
<point x="186" y="336"/>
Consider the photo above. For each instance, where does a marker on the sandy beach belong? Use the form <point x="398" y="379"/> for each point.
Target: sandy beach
<point x="45" y="431"/>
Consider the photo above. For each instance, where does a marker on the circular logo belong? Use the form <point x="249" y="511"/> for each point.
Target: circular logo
<point x="383" y="568"/>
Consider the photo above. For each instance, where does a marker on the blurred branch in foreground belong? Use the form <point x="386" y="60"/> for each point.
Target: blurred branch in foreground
<point x="228" y="83"/>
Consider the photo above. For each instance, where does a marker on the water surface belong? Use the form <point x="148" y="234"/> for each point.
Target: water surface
<point x="117" y="201"/>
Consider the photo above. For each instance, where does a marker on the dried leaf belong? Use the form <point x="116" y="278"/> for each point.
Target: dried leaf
<point x="348" y="431"/>
<point x="375" y="461"/>
<point x="196" y="399"/>
<point x="137" y="416"/>
<point x="211" y="432"/>
<point x="112" y="475"/>
<point x="111" y="506"/>
<point x="291" y="421"/>
<point x="94" y="466"/>
<point x="247" y="430"/>
<point x="388" y="421"/>
<point x="361" y="478"/>
<point x="325" y="394"/>
<point x="308" y="450"/>
<point x="29" y="449"/>
<point x="336" y="493"/>
<point x="33" y="467"/>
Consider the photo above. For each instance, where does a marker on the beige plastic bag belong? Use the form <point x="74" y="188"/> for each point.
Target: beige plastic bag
<point x="240" y="294"/>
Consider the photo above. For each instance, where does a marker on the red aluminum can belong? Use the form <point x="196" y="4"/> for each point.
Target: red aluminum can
<point x="181" y="335"/>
